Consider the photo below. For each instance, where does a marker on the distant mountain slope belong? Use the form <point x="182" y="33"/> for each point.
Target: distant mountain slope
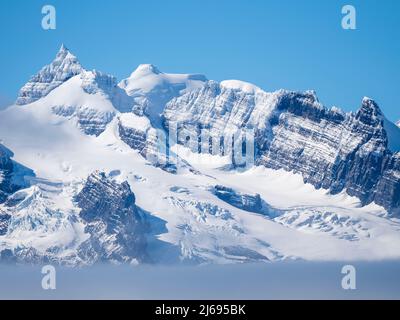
<point x="324" y="185"/>
<point x="357" y="152"/>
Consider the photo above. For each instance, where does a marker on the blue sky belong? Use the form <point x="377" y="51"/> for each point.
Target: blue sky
<point x="275" y="44"/>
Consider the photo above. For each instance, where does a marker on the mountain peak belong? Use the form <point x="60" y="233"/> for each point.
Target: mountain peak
<point x="370" y="105"/>
<point x="146" y="68"/>
<point x="368" y="100"/>
<point x="63" y="67"/>
<point x="369" y="113"/>
<point x="63" y="48"/>
<point x="63" y="52"/>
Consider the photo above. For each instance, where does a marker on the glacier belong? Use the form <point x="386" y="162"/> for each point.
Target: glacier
<point x="83" y="180"/>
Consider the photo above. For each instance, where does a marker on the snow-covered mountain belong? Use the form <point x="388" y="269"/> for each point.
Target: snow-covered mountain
<point x="325" y="184"/>
<point x="151" y="89"/>
<point x="333" y="150"/>
<point x="64" y="67"/>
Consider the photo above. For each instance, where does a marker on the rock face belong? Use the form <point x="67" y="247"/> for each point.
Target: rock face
<point x="138" y="133"/>
<point x="101" y="100"/>
<point x="96" y="82"/>
<point x="91" y="121"/>
<point x="335" y="151"/>
<point x="293" y="131"/>
<point x="4" y="222"/>
<point x="99" y="224"/>
<point x="6" y="168"/>
<point x="114" y="223"/>
<point x="252" y="203"/>
<point x="12" y="178"/>
<point x="61" y="222"/>
<point x="221" y="108"/>
<point x="12" y="174"/>
<point x="134" y="130"/>
<point x="64" y="67"/>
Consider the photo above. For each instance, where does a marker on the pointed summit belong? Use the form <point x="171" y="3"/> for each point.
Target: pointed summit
<point x="369" y="103"/>
<point x="63" y="48"/>
<point x="370" y="113"/>
<point x="63" y="67"/>
<point x="63" y="51"/>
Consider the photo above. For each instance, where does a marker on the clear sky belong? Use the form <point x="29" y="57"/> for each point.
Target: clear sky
<point x="274" y="44"/>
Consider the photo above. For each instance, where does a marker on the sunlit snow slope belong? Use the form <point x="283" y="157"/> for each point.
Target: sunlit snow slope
<point x="95" y="196"/>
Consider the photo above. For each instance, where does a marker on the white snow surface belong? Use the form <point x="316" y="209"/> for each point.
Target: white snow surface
<point x="193" y="225"/>
<point x="64" y="66"/>
<point x="240" y="86"/>
<point x="151" y="89"/>
<point x="188" y="223"/>
<point x="147" y="77"/>
<point x="134" y="121"/>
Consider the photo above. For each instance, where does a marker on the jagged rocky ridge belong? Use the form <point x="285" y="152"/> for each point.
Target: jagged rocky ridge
<point x="6" y="168"/>
<point x="105" y="227"/>
<point x="116" y="228"/>
<point x="331" y="149"/>
<point x="293" y="131"/>
<point x="64" y="67"/>
<point x="104" y="99"/>
<point x="90" y="98"/>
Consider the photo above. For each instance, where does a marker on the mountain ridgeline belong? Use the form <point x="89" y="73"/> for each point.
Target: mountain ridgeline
<point x="333" y="150"/>
<point x="85" y="177"/>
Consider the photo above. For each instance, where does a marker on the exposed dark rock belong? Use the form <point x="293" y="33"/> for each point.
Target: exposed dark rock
<point x="252" y="203"/>
<point x="12" y="174"/>
<point x="114" y="223"/>
<point x="331" y="149"/>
